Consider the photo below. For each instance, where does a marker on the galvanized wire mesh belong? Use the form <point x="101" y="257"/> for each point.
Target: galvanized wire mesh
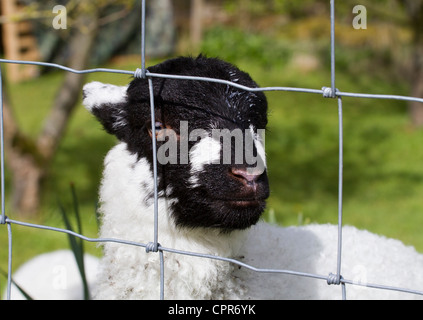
<point x="154" y="247"/>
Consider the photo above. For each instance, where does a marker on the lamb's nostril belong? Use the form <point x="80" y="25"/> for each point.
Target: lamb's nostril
<point x="245" y="175"/>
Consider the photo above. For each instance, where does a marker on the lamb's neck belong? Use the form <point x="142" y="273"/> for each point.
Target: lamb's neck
<point x="128" y="210"/>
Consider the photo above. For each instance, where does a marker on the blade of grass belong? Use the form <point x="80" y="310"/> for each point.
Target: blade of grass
<point x="24" y="293"/>
<point x="76" y="209"/>
<point x="81" y="263"/>
<point x="76" y="244"/>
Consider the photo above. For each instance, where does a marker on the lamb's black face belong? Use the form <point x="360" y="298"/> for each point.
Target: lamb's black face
<point x="209" y="136"/>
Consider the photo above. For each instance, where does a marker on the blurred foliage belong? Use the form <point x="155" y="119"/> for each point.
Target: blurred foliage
<point x="42" y="10"/>
<point x="264" y="7"/>
<point x="221" y="41"/>
<point x="278" y="31"/>
<point x="304" y="8"/>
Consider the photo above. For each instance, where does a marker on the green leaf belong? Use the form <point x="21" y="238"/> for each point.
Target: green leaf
<point x="76" y="244"/>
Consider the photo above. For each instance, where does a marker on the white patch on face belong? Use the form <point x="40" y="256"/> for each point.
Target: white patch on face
<point x="97" y="93"/>
<point x="206" y="151"/>
<point x="259" y="143"/>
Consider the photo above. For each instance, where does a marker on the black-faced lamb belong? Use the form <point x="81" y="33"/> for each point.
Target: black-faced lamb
<point x="212" y="205"/>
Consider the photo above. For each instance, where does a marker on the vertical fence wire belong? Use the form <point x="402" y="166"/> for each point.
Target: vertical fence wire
<point x="340" y="196"/>
<point x="2" y="193"/>
<point x="341" y="139"/>
<point x="341" y="147"/>
<point x="154" y="246"/>
<point x="332" y="46"/>
<point x="143" y="35"/>
<point x="9" y="261"/>
<point x="2" y="169"/>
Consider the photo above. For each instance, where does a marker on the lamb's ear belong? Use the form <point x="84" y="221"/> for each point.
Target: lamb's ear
<point x="107" y="102"/>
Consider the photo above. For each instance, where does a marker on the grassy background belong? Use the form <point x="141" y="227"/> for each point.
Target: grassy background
<point x="383" y="187"/>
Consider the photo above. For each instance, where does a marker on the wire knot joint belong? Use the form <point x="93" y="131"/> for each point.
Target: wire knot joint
<point x="328" y="92"/>
<point x="152" y="247"/>
<point x="140" y="73"/>
<point x="334" y="279"/>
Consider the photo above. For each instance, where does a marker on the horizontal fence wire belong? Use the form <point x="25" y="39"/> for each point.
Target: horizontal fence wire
<point x="154" y="246"/>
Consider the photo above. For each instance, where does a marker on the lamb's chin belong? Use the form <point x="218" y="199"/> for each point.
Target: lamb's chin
<point x="241" y="215"/>
<point x="244" y="203"/>
<point x="249" y="204"/>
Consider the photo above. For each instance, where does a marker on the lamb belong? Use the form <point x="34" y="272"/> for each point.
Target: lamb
<point x="211" y="206"/>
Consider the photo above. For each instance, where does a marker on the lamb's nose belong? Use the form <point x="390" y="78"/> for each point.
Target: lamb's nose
<point x="248" y="176"/>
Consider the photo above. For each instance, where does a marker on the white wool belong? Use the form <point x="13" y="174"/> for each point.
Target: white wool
<point x="98" y="93"/>
<point x="366" y="258"/>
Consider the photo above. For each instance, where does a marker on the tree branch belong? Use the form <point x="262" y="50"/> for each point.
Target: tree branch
<point x="68" y="94"/>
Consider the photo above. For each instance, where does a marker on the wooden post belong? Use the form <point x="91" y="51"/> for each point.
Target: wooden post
<point x="196" y="22"/>
<point x="19" y="43"/>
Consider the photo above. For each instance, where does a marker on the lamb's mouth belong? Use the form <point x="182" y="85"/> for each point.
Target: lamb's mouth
<point x="245" y="202"/>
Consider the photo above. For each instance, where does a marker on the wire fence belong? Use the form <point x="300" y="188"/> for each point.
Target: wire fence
<point x="154" y="247"/>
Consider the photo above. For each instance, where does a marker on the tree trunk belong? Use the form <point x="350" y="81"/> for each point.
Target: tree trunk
<point x="67" y="96"/>
<point x="414" y="9"/>
<point x="27" y="179"/>
<point x="196" y="22"/>
<point x="24" y="163"/>
<point x="28" y="159"/>
<point x="416" y="108"/>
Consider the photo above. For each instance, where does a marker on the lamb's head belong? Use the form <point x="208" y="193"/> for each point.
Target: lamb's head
<point x="209" y="137"/>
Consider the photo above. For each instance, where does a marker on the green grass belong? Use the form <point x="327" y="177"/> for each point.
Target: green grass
<point x="383" y="181"/>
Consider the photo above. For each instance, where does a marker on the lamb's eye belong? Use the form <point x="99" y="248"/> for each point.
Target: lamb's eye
<point x="159" y="126"/>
